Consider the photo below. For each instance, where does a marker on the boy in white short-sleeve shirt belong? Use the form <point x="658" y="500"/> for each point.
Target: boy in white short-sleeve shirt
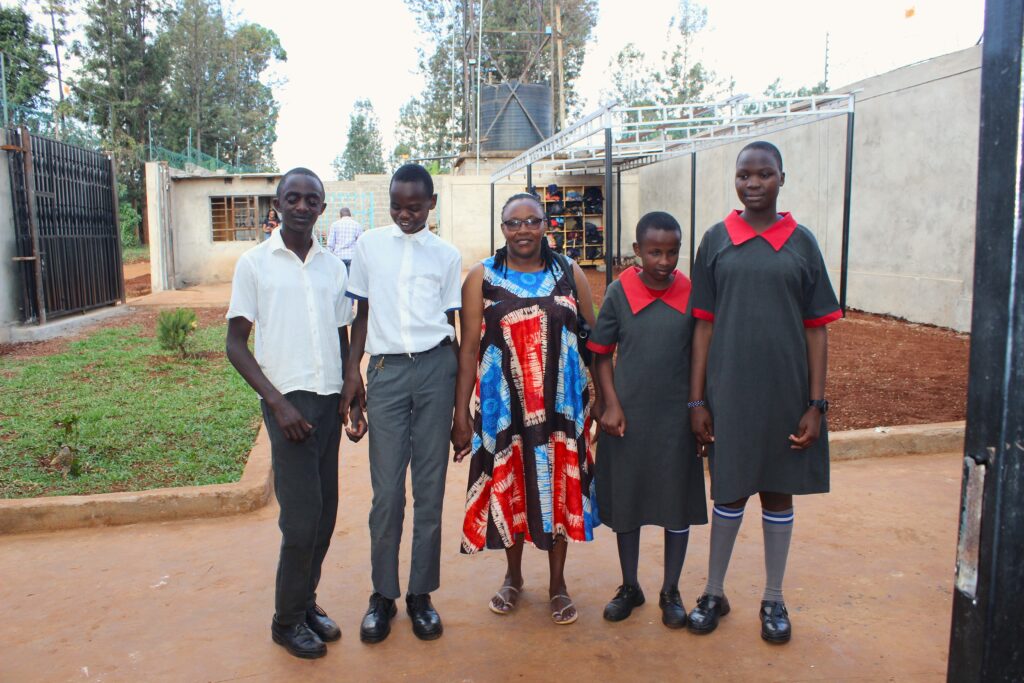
<point x="407" y="283"/>
<point x="292" y="290"/>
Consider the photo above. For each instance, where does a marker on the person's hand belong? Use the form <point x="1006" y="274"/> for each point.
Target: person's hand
<point x="808" y="431"/>
<point x="702" y="426"/>
<point x="613" y="420"/>
<point x="289" y="420"/>
<point x="352" y="393"/>
<point x="462" y="435"/>
<point x="357" y="426"/>
<point x="597" y="409"/>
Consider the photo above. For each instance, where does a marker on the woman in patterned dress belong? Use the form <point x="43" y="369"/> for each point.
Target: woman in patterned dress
<point x="531" y="469"/>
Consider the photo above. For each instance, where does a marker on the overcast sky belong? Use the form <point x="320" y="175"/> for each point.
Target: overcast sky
<point x="346" y="50"/>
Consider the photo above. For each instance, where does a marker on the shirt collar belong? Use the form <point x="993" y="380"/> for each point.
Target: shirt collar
<point x="420" y="236"/>
<point x="276" y="243"/>
<point x="677" y="296"/>
<point x="776" y="235"/>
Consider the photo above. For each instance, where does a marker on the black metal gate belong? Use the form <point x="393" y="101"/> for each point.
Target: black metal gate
<point x="66" y="220"/>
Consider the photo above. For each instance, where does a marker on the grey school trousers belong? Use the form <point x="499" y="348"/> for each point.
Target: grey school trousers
<point x="409" y="402"/>
<point x="306" y="486"/>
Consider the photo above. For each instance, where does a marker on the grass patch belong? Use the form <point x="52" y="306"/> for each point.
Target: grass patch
<point x="147" y="419"/>
<point x="135" y="254"/>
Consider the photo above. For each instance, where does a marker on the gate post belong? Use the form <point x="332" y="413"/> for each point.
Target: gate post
<point x="33" y="225"/>
<point x="117" y="225"/>
<point x="987" y="630"/>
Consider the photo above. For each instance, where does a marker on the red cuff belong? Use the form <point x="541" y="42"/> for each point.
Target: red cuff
<point x="824" y="320"/>
<point x="602" y="349"/>
<point x="701" y="314"/>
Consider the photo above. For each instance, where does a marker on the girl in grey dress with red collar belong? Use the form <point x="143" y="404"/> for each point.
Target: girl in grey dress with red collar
<point x="762" y="298"/>
<point x="647" y="470"/>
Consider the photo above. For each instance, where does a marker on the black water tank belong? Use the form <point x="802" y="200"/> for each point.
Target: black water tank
<point x="504" y="123"/>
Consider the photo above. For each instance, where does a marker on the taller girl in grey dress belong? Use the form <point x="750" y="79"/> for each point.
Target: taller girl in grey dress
<point x="762" y="298"/>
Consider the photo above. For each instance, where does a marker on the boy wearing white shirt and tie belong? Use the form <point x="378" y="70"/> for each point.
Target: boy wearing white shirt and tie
<point x="407" y="282"/>
<point x="292" y="290"/>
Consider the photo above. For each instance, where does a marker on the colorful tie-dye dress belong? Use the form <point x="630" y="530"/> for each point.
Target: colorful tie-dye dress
<point x="532" y="468"/>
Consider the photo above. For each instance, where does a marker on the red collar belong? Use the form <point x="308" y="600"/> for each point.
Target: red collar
<point x="740" y="231"/>
<point x="677" y="295"/>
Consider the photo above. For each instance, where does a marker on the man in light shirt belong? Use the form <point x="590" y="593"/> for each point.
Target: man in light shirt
<point x="407" y="282"/>
<point x="292" y="290"/>
<point x="341" y="241"/>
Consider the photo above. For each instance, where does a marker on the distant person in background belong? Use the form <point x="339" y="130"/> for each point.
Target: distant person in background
<point x="342" y="239"/>
<point x="269" y="223"/>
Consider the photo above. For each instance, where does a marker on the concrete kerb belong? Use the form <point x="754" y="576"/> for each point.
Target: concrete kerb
<point x="256" y="485"/>
<point x="53" y="513"/>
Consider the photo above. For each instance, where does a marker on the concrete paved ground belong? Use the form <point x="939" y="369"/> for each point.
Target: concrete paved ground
<point x="868" y="589"/>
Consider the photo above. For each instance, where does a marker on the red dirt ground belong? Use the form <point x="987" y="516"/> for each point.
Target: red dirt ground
<point x="884" y="371"/>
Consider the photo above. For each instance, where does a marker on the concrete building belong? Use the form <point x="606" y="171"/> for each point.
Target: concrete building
<point x="912" y="214"/>
<point x="915" y="167"/>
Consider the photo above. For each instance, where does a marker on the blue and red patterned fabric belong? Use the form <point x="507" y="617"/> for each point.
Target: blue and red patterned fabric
<point x="531" y="471"/>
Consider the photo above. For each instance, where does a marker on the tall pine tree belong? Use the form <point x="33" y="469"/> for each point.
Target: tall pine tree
<point x="364" y="151"/>
<point x="24" y="45"/>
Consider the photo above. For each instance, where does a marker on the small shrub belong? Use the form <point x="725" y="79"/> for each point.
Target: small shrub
<point x="68" y="455"/>
<point x="174" y="330"/>
<point x="129" y="219"/>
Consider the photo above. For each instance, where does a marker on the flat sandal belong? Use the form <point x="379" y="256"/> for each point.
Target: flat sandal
<point x="507" y="604"/>
<point x="556" y="615"/>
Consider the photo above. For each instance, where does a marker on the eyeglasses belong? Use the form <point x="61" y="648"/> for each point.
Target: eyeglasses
<point x="516" y="223"/>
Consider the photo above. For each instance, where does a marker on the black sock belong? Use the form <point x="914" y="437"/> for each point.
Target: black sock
<point x="675" y="552"/>
<point x="629" y="555"/>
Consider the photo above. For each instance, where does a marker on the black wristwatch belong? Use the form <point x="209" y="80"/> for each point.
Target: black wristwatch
<point x="821" y="405"/>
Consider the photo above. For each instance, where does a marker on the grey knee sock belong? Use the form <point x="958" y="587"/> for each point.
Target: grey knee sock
<point x="778" y="530"/>
<point x="725" y="524"/>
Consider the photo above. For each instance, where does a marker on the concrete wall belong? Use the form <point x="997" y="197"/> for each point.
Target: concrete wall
<point x="913" y="195"/>
<point x="10" y="278"/>
<point x="461" y="217"/>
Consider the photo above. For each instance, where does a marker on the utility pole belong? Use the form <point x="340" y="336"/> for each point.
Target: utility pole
<point x="559" y="64"/>
<point x="826" y="61"/>
<point x="467" y="62"/>
<point x="479" y="76"/>
<point x="3" y="84"/>
<point x="56" y="54"/>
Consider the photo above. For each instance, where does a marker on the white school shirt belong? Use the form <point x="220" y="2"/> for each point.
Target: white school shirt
<point x="297" y="308"/>
<point x="411" y="282"/>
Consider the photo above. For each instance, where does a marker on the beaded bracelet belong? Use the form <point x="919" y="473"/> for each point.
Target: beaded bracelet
<point x="696" y="404"/>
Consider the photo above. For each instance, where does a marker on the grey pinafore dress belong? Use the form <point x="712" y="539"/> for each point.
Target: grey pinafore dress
<point x="652" y="474"/>
<point x="761" y="292"/>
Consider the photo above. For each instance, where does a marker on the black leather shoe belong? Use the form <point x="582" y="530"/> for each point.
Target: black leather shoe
<point x="426" y="622"/>
<point x="621" y="606"/>
<point x="673" y="614"/>
<point x="377" y="621"/>
<point x="298" y="639"/>
<point x="775" y="626"/>
<point x="710" y="608"/>
<point x="322" y="625"/>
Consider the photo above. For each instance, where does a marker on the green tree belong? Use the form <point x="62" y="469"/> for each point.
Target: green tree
<point x="215" y="84"/>
<point x="58" y="12"/>
<point x="683" y="78"/>
<point x="632" y="80"/>
<point x="775" y="90"/>
<point x="26" y="62"/>
<point x="120" y="82"/>
<point x="515" y="46"/>
<point x="364" y="151"/>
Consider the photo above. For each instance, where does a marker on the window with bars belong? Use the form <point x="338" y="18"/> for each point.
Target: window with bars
<point x="236" y="218"/>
